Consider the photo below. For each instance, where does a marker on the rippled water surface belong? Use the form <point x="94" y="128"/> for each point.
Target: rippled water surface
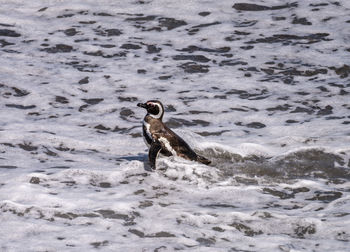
<point x="261" y="88"/>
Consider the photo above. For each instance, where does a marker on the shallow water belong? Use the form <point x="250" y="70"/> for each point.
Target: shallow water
<point x="262" y="90"/>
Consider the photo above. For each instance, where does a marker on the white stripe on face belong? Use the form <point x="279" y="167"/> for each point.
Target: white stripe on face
<point x="160" y="113"/>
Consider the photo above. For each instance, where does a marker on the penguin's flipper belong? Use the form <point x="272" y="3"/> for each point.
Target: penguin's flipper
<point x="153" y="153"/>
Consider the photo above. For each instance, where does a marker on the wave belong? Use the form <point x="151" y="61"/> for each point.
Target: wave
<point x="300" y="163"/>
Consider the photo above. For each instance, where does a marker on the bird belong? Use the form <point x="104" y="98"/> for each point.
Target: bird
<point x="161" y="139"/>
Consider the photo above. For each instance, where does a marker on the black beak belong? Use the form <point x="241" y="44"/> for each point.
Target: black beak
<point x="142" y="105"/>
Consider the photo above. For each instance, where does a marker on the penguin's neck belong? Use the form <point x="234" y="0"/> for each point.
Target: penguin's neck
<point x="151" y="116"/>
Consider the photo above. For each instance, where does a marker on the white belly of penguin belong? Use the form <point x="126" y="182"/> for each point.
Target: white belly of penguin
<point x="167" y="145"/>
<point x="147" y="126"/>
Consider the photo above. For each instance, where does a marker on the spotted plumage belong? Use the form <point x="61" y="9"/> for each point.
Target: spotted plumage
<point x="160" y="139"/>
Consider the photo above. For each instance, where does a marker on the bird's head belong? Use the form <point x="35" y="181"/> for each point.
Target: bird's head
<point x="154" y="108"/>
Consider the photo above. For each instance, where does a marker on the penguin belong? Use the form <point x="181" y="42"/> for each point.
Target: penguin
<point x="161" y="139"/>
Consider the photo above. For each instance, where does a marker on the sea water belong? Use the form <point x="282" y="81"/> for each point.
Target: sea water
<point x="261" y="88"/>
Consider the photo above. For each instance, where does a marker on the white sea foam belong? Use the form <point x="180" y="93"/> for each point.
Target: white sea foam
<point x="263" y="94"/>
